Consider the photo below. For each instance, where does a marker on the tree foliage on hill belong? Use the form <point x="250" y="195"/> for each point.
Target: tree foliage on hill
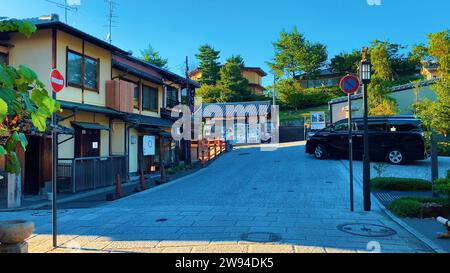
<point x="209" y="65"/>
<point x="152" y="56"/>
<point x="231" y="78"/>
<point x="346" y="63"/>
<point x="295" y="56"/>
<point x="231" y="86"/>
<point x="24" y="101"/>
<point x="436" y="115"/>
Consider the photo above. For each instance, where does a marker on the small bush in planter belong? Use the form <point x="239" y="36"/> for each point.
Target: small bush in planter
<point x="406" y="207"/>
<point x="443" y="186"/>
<point x="400" y="184"/>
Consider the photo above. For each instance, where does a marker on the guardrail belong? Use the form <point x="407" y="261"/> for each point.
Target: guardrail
<point x="207" y="150"/>
<point x="82" y="174"/>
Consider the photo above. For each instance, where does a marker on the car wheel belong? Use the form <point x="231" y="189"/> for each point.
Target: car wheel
<point x="396" y="157"/>
<point x="320" y="152"/>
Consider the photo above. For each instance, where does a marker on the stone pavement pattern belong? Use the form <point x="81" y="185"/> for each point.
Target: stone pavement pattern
<point x="299" y="199"/>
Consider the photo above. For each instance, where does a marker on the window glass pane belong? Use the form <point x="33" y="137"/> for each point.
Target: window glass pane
<point x="377" y="126"/>
<point x="91" y="73"/>
<point x="172" y="97"/>
<point x="74" y="65"/>
<point x="153" y="99"/>
<point x="146" y="98"/>
<point x="341" y="127"/>
<point x="3" y="58"/>
<point x="405" y="126"/>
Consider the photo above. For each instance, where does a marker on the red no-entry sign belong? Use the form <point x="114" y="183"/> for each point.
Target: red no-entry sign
<point x="350" y="84"/>
<point x="57" y="80"/>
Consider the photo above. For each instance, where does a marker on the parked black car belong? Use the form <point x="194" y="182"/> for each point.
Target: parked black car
<point x="397" y="139"/>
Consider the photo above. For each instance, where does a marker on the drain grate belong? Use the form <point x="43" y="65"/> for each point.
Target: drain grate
<point x="367" y="230"/>
<point x="47" y="213"/>
<point x="242" y="154"/>
<point x="162" y="220"/>
<point x="261" y="237"/>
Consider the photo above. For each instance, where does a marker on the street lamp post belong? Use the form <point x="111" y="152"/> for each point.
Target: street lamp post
<point x="365" y="77"/>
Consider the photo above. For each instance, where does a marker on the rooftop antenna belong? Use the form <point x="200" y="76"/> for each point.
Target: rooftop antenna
<point x="67" y="5"/>
<point x="112" y="5"/>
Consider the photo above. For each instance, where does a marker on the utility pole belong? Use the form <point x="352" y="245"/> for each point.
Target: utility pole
<point x="274" y="95"/>
<point x="190" y="102"/>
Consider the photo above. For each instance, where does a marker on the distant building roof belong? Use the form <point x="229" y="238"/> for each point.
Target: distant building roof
<point x="393" y="89"/>
<point x="258" y="70"/>
<point x="327" y="72"/>
<point x="123" y="62"/>
<point x="236" y="109"/>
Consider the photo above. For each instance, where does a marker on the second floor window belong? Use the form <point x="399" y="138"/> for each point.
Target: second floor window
<point x="172" y="97"/>
<point x="3" y="58"/>
<point x="136" y="97"/>
<point x="82" y="71"/>
<point x="150" y="99"/>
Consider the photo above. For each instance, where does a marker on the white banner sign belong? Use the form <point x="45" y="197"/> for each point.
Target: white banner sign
<point x="149" y="145"/>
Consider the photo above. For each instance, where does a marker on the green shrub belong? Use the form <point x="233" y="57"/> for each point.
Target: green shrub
<point x="400" y="184"/>
<point x="444" y="149"/>
<point x="443" y="186"/>
<point x="406" y="207"/>
<point x="448" y="174"/>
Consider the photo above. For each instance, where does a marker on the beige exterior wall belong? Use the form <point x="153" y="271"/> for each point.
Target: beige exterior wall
<point x="74" y="94"/>
<point x="405" y="99"/>
<point x="252" y="77"/>
<point x="66" y="150"/>
<point x="35" y="53"/>
<point x="118" y="137"/>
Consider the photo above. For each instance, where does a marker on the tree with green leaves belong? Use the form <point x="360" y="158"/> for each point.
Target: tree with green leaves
<point x="152" y="56"/>
<point x="24" y="102"/>
<point x="379" y="101"/>
<point x="231" y="78"/>
<point x="436" y="115"/>
<point x="346" y="63"/>
<point x="295" y="56"/>
<point x="209" y="65"/>
<point x="215" y="94"/>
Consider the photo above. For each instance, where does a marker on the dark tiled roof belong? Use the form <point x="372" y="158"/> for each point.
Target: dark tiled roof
<point x="89" y="108"/>
<point x="236" y="109"/>
<point x="166" y="73"/>
<point x="45" y="22"/>
<point x="136" y="72"/>
<point x="148" y="121"/>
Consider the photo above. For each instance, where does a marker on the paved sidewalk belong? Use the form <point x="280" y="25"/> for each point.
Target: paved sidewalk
<point x="284" y="196"/>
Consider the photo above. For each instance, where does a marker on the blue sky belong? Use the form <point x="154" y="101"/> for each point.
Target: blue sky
<point x="248" y="27"/>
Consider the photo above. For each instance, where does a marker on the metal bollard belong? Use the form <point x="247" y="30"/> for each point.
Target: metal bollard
<point x="118" y="187"/>
<point x="446" y="223"/>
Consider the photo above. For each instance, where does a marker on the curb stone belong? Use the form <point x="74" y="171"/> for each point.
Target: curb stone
<point x="400" y="222"/>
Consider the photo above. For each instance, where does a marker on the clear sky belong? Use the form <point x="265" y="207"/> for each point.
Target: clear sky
<point x="248" y="27"/>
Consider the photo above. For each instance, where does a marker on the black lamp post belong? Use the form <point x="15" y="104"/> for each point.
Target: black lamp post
<point x="365" y="77"/>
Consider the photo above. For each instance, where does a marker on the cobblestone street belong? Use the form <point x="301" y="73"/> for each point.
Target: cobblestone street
<point x="247" y="201"/>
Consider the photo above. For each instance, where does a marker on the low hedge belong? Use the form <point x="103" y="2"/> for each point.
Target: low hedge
<point x="400" y="184"/>
<point x="412" y="207"/>
<point x="406" y="208"/>
<point x="443" y="186"/>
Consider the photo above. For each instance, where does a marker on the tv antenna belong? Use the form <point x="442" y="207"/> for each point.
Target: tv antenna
<point x="112" y="5"/>
<point x="67" y="5"/>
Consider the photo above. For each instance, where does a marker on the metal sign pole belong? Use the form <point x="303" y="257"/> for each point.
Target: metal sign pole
<point x="350" y="141"/>
<point x="54" y="187"/>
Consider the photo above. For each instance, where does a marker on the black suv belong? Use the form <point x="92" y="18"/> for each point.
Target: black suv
<point x="397" y="139"/>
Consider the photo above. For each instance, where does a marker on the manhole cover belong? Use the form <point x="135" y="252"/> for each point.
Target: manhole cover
<point x="367" y="230"/>
<point x="47" y="213"/>
<point x="291" y="191"/>
<point x="329" y="182"/>
<point x="242" y="154"/>
<point x="162" y="220"/>
<point x="261" y="237"/>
